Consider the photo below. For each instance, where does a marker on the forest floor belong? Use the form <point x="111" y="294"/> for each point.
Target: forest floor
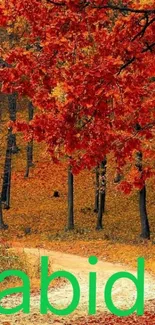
<point x="34" y="207"/>
<point x="37" y="219"/>
<point x="60" y="296"/>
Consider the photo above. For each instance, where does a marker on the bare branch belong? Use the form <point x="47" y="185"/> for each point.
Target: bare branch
<point x="125" y="8"/>
<point x="108" y="6"/>
<point x="56" y="3"/>
<point x="126" y="64"/>
<point x="143" y="30"/>
<point x="149" y="47"/>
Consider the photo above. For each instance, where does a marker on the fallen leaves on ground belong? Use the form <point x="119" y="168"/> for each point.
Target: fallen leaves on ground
<point x="147" y="319"/>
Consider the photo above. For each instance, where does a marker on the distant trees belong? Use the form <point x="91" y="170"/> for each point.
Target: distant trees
<point x="29" y="149"/>
<point x="6" y="187"/>
<point x="70" y="199"/>
<point x="102" y="194"/>
<point x="145" y="228"/>
<point x="2" y="224"/>
<point x="12" y="101"/>
<point x="97" y="185"/>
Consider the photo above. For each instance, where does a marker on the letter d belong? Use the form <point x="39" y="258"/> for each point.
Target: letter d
<point x="139" y="283"/>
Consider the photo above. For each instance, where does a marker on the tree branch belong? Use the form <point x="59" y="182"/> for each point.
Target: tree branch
<point x="124" y="8"/>
<point x="126" y="64"/>
<point x="148" y="47"/>
<point x="56" y="3"/>
<point x="108" y="6"/>
<point x="143" y="30"/>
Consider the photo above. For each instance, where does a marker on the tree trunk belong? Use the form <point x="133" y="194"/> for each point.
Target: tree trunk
<point x="102" y="194"/>
<point x="96" y="190"/>
<point x="117" y="178"/>
<point x="145" y="228"/>
<point x="29" y="149"/>
<point x="5" y="197"/>
<point x="70" y="200"/>
<point x="143" y="214"/>
<point x="2" y="224"/>
<point x="12" y="111"/>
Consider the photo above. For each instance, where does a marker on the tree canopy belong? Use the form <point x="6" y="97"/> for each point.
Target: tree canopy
<point x="89" y="67"/>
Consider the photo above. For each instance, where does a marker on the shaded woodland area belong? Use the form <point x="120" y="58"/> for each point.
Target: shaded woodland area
<point x="100" y="182"/>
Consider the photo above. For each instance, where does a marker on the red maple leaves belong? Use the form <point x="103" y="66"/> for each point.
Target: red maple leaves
<point x="102" y="58"/>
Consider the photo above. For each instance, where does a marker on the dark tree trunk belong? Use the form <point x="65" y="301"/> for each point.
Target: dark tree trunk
<point x="70" y="200"/>
<point x="143" y="214"/>
<point x="117" y="178"/>
<point x="102" y="194"/>
<point x="30" y="111"/>
<point x="2" y="224"/>
<point x="12" y="99"/>
<point x="145" y="228"/>
<point x="96" y="206"/>
<point x="29" y="149"/>
<point x="7" y="172"/>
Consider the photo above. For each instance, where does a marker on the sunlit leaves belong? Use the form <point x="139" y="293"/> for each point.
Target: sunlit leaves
<point x="88" y="70"/>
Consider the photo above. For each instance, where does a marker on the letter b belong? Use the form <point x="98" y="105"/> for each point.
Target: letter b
<point x="45" y="281"/>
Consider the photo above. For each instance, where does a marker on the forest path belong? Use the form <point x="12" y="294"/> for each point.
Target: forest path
<point x="124" y="292"/>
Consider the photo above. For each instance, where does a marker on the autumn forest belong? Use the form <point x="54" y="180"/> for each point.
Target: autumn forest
<point x="77" y="134"/>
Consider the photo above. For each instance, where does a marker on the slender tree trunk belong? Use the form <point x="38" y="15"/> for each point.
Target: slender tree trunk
<point x="145" y="228"/>
<point x="5" y="197"/>
<point x="102" y="194"/>
<point x="96" y="206"/>
<point x="12" y="99"/>
<point x="29" y="149"/>
<point x="143" y="214"/>
<point x="2" y="224"/>
<point x="117" y="178"/>
<point x="70" y="200"/>
<point x="29" y="152"/>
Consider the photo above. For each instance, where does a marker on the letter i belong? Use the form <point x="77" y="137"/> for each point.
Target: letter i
<point x="92" y="287"/>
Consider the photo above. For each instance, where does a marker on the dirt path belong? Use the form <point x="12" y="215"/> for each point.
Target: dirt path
<point x="123" y="291"/>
